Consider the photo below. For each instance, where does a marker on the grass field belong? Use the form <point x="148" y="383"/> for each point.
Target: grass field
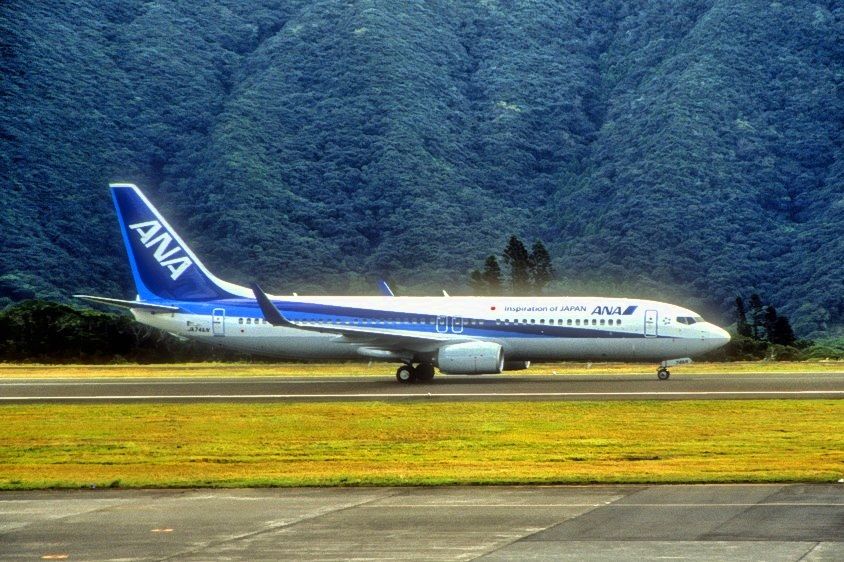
<point x="142" y="445"/>
<point x="8" y="370"/>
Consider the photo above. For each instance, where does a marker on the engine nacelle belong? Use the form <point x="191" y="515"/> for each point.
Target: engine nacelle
<point x="471" y="358"/>
<point x="516" y="365"/>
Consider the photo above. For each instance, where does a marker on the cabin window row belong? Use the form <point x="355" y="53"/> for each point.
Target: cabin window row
<point x="498" y="322"/>
<point x="562" y="321"/>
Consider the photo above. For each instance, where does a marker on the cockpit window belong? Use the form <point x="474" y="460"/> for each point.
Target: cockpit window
<point x="689" y="320"/>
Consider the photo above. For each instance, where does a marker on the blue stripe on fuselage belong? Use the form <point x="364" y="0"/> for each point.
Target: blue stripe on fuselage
<point x="407" y="321"/>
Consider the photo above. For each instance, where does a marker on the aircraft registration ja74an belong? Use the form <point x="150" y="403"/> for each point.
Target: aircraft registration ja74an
<point x="457" y="335"/>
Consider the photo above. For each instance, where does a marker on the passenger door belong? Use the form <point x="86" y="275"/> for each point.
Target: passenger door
<point x="651" y="317"/>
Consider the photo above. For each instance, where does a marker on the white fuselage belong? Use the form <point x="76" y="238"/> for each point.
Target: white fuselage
<point x="527" y="328"/>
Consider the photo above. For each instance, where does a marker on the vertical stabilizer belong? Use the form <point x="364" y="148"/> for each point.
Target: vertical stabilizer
<point x="162" y="264"/>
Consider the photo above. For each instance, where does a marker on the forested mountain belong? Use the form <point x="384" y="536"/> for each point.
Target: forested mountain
<point x="688" y="150"/>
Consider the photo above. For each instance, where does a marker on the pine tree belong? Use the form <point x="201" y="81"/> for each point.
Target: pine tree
<point x="770" y="321"/>
<point x="517" y="258"/>
<point x="782" y="332"/>
<point x="492" y="276"/>
<point x="541" y="270"/>
<point x="756" y="313"/>
<point x="742" y="327"/>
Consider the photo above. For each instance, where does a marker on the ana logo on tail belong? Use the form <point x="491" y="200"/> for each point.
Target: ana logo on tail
<point x="163" y="253"/>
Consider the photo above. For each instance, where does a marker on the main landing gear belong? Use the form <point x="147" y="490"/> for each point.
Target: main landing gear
<point x="423" y="372"/>
<point x="663" y="373"/>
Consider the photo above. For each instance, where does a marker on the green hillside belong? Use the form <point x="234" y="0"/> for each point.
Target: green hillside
<point x="689" y="151"/>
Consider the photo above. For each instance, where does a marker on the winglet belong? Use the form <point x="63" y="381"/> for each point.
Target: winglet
<point x="385" y="289"/>
<point x="268" y="309"/>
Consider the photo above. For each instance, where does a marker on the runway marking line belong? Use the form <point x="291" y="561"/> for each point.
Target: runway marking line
<point x="429" y="395"/>
<point x="611" y="504"/>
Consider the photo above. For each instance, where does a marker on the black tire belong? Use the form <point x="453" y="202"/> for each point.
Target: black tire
<point x="406" y="374"/>
<point x="663" y="374"/>
<point x="424" y="372"/>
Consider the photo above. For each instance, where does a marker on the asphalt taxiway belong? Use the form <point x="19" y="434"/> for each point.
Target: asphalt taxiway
<point x="442" y="388"/>
<point x="705" y="522"/>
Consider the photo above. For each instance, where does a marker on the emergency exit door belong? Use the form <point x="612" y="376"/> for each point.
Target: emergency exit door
<point x="218" y="322"/>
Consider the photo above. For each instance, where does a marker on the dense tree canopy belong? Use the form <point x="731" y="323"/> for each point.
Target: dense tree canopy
<point x="688" y="151"/>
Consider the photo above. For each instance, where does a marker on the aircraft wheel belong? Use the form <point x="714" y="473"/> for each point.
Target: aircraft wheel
<point x="424" y="372"/>
<point x="406" y="374"/>
<point x="663" y="374"/>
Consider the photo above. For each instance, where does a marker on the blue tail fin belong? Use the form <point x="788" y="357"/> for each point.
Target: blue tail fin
<point x="162" y="264"/>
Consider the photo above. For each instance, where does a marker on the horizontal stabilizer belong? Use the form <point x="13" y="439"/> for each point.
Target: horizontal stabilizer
<point x="128" y="304"/>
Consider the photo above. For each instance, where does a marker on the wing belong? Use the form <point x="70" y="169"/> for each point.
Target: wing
<point x="378" y="337"/>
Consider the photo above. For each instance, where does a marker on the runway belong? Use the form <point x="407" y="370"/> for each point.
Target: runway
<point x="712" y="522"/>
<point x="443" y="388"/>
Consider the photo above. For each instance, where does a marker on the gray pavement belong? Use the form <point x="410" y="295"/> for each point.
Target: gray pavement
<point x="443" y="388"/>
<point x="694" y="522"/>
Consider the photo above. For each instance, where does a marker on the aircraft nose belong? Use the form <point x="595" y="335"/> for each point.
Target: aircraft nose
<point x="718" y="335"/>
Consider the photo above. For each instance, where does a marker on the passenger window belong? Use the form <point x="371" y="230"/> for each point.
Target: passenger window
<point x="542" y="320"/>
<point x="240" y="320"/>
<point x="568" y="322"/>
<point x="577" y="321"/>
<point x="594" y="322"/>
<point x="602" y="321"/>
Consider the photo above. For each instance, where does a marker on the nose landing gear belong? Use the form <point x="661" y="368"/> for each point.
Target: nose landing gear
<point x="663" y="373"/>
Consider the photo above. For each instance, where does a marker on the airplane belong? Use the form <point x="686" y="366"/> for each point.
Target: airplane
<point x="457" y="335"/>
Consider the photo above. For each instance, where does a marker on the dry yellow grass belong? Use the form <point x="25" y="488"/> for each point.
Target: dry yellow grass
<point x="139" y="445"/>
<point x="196" y="370"/>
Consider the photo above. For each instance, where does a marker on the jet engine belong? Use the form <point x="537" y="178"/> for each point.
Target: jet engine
<point x="471" y="358"/>
<point x="516" y="365"/>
